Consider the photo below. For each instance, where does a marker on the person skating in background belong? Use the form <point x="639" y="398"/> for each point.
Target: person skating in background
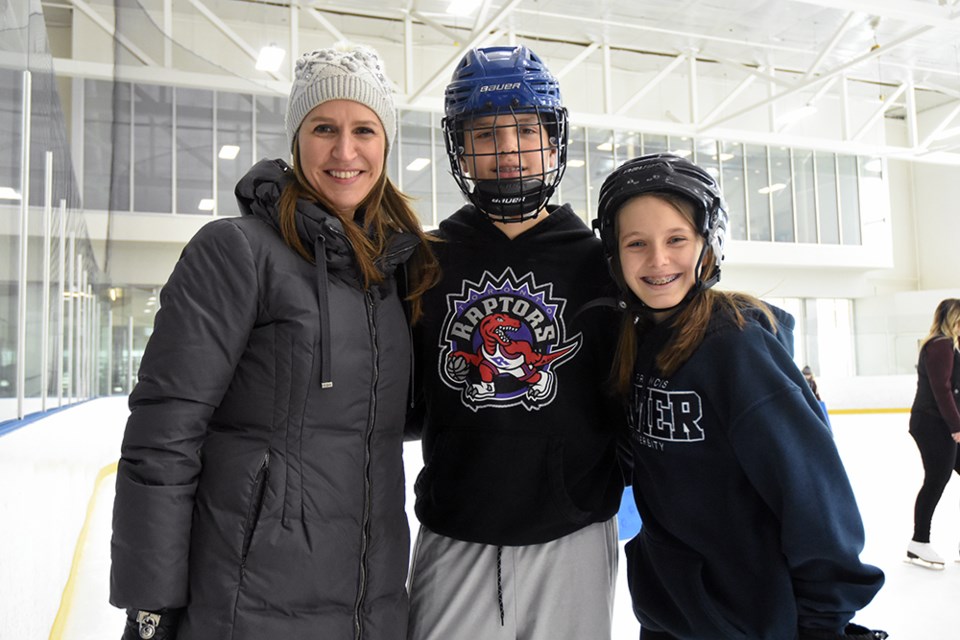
<point x="750" y="526"/>
<point x="260" y="487"/>
<point x="808" y="375"/>
<point x="520" y="487"/>
<point x="935" y="424"/>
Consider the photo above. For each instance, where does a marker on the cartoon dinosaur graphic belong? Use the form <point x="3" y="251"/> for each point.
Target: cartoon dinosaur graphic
<point x="499" y="355"/>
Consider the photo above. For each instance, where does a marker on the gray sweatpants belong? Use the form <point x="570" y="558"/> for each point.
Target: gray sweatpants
<point x="559" y="590"/>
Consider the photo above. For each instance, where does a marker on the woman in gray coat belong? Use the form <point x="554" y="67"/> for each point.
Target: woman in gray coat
<point x="260" y="490"/>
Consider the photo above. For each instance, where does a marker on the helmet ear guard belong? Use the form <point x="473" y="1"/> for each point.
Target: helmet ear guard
<point x="663" y="173"/>
<point x="502" y="83"/>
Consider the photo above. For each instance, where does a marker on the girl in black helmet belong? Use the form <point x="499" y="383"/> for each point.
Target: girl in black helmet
<point x="750" y="527"/>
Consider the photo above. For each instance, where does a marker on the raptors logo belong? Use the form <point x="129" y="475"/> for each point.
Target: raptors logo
<point x="502" y="342"/>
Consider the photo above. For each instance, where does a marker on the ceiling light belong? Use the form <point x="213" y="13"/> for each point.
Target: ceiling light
<point x="683" y="153"/>
<point x="418" y="164"/>
<point x="773" y="188"/>
<point x="875" y="165"/>
<point x="575" y="163"/>
<point x="724" y="157"/>
<point x="206" y="204"/>
<point x="8" y="193"/>
<point x="228" y="152"/>
<point x="605" y="146"/>
<point x="270" y="58"/>
<point x="462" y="7"/>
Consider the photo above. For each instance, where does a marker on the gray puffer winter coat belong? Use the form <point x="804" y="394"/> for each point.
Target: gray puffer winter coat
<point x="261" y="482"/>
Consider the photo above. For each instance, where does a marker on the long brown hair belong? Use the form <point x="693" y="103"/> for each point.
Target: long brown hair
<point x="945" y="320"/>
<point x="386" y="210"/>
<point x="691" y="321"/>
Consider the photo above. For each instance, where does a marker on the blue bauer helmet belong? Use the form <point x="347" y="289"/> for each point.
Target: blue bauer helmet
<point x="490" y="90"/>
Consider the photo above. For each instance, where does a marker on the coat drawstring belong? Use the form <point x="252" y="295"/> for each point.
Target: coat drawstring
<point x="409" y="312"/>
<point x="323" y="298"/>
<point x="500" y="582"/>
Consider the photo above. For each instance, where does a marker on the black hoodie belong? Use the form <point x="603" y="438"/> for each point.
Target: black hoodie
<point x="518" y="430"/>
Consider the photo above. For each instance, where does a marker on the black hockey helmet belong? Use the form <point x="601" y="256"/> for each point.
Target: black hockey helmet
<point x="664" y="173"/>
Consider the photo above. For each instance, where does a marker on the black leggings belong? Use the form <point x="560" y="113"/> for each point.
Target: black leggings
<point x="941" y="456"/>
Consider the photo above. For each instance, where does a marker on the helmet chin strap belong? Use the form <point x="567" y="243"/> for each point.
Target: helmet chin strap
<point x="510" y="201"/>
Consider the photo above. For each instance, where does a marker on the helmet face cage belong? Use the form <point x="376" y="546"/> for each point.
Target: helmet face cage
<point x="664" y="173"/>
<point x="503" y="114"/>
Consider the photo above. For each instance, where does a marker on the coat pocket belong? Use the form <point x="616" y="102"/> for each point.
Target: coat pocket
<point x="255" y="507"/>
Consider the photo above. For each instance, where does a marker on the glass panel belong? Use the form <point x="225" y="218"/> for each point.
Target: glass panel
<point x="271" y="132"/>
<point x="706" y="155"/>
<point x="234" y="147"/>
<point x="827" y="198"/>
<point x="449" y="197"/>
<point x="153" y="148"/>
<point x="194" y="149"/>
<point x="10" y="101"/>
<point x="10" y="140"/>
<point x="758" y="192"/>
<point x="681" y="146"/>
<point x="573" y="187"/>
<point x="781" y="184"/>
<point x="849" y="199"/>
<point x="628" y="145"/>
<point x="731" y="181"/>
<point x="416" y="173"/>
<point x="654" y="143"/>
<point x="97" y="142"/>
<point x="600" y="146"/>
<point x="836" y="349"/>
<point x="806" y="196"/>
<point x="120" y="169"/>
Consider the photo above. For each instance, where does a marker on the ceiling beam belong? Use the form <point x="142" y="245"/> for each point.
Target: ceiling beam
<point x="825" y="51"/>
<point x="909" y="11"/>
<point x="648" y="87"/>
<point x="232" y="35"/>
<point x="485" y="35"/>
<point x="805" y="84"/>
<point x="878" y="113"/>
<point x="101" y="22"/>
<point x="326" y="24"/>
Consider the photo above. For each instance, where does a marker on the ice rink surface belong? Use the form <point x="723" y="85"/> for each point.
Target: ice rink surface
<point x="58" y="475"/>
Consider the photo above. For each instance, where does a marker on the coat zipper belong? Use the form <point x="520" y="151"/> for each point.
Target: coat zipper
<point x="371" y="415"/>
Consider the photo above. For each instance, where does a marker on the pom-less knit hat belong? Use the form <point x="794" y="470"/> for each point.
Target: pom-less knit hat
<point x="341" y="74"/>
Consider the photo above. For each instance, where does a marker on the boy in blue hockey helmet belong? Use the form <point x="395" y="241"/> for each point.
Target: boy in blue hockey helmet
<point x="505" y="131"/>
<point x="520" y="487"/>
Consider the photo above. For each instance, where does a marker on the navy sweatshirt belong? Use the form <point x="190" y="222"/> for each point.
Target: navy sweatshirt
<point x="750" y="527"/>
<point x="518" y="431"/>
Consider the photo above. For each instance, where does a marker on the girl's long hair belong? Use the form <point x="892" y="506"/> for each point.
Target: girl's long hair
<point x="691" y="321"/>
<point x="945" y="320"/>
<point x="386" y="209"/>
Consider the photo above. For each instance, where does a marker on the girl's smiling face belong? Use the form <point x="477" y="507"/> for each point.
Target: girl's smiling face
<point x="659" y="249"/>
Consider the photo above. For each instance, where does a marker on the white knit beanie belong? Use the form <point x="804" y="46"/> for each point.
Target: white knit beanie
<point x="353" y="74"/>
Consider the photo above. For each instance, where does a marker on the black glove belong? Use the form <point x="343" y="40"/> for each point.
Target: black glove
<point x="146" y="625"/>
<point x="850" y="632"/>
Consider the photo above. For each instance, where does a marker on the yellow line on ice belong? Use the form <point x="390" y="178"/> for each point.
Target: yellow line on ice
<point x="66" y="601"/>
<point x="852" y="412"/>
